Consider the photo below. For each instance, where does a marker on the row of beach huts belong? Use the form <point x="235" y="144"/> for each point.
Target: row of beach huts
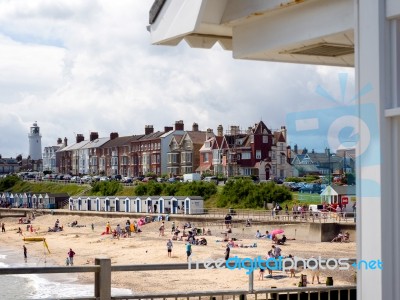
<point x="31" y="200"/>
<point x="144" y="204"/>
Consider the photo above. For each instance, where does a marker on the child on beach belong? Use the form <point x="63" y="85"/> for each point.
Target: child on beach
<point x="188" y="250"/>
<point x="261" y="274"/>
<point x="161" y="229"/>
<point x="169" y="247"/>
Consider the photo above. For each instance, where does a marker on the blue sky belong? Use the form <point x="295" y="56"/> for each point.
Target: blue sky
<point x="79" y="66"/>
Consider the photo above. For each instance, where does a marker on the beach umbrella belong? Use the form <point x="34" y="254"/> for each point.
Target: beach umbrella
<point x="277" y="231"/>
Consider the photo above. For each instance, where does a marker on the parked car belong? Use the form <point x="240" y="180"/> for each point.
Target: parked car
<point x="147" y="179"/>
<point x="211" y="179"/>
<point x="76" y="179"/>
<point x="87" y="178"/>
<point x="104" y="178"/>
<point x="127" y="179"/>
<point x="96" y="178"/>
<point x="311" y="188"/>
<point x="116" y="177"/>
<point x="173" y="179"/>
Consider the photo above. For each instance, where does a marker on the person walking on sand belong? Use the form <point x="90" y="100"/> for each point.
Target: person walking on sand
<point x="3" y="227"/>
<point x="227" y="251"/>
<point x="162" y="229"/>
<point x="25" y="253"/>
<point x="188" y="250"/>
<point x="108" y="228"/>
<point x="169" y="247"/>
<point x="71" y="255"/>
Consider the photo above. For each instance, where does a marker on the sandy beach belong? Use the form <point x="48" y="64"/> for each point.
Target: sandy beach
<point x="148" y="247"/>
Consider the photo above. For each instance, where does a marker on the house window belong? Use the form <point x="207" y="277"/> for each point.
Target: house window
<point x="173" y="158"/>
<point x="265" y="139"/>
<point x="258" y="154"/>
<point x="246" y="155"/>
<point x="205" y="157"/>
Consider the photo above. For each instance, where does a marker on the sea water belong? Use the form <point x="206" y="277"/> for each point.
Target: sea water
<point x="43" y="286"/>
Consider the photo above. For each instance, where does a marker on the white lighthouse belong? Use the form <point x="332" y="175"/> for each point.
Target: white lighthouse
<point x="35" y="142"/>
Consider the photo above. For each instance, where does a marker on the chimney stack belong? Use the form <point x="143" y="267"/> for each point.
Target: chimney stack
<point x="148" y="129"/>
<point x="79" y="138"/>
<point x="284" y="131"/>
<point x="220" y="130"/>
<point x="113" y="135"/>
<point x="168" y="128"/>
<point x="59" y="141"/>
<point x="195" y="127"/>
<point x="94" y="136"/>
<point x="65" y="142"/>
<point x="209" y="133"/>
<point x="234" y="130"/>
<point x="179" y="125"/>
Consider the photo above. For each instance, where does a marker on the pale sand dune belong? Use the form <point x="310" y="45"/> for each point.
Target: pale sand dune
<point x="147" y="247"/>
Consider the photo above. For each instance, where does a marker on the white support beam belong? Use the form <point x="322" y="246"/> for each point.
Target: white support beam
<point x="377" y="59"/>
<point x="294" y="25"/>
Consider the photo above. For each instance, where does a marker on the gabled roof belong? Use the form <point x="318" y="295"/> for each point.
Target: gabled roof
<point x="340" y="189"/>
<point x="178" y="137"/>
<point x="279" y="137"/>
<point x="197" y="137"/>
<point x="75" y="146"/>
<point x="121" y="141"/>
<point x="96" y="143"/>
<point x="261" y="128"/>
<point x="152" y="136"/>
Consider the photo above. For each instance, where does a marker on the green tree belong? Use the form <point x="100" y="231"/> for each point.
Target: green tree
<point x="154" y="188"/>
<point x="106" y="188"/>
<point x="141" y="189"/>
<point x="8" y="182"/>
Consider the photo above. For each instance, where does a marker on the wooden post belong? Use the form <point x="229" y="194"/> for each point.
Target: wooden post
<point x="102" y="279"/>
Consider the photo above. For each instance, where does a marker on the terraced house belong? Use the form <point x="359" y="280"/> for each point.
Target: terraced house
<point x="255" y="151"/>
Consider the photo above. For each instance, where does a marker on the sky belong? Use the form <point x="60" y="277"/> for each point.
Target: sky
<point x="81" y="66"/>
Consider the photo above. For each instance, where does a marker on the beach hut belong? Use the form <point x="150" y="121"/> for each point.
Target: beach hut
<point x="73" y="203"/>
<point x="40" y="200"/>
<point x="34" y="201"/>
<point x="143" y="204"/>
<point x="153" y="204"/>
<point x="18" y="200"/>
<point x="126" y="204"/>
<point x="98" y="204"/>
<point x="167" y="203"/>
<point x="103" y="203"/>
<point x="178" y="203"/>
<point x="87" y="204"/>
<point x="29" y="199"/>
<point x="136" y="205"/>
<point x="118" y="204"/>
<point x="194" y="205"/>
<point x="344" y="195"/>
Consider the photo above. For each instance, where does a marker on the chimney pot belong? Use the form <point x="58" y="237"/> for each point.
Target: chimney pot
<point x="148" y="129"/>
<point x="179" y="125"/>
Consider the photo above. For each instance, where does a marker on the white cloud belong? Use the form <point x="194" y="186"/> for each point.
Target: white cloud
<point x="80" y="66"/>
